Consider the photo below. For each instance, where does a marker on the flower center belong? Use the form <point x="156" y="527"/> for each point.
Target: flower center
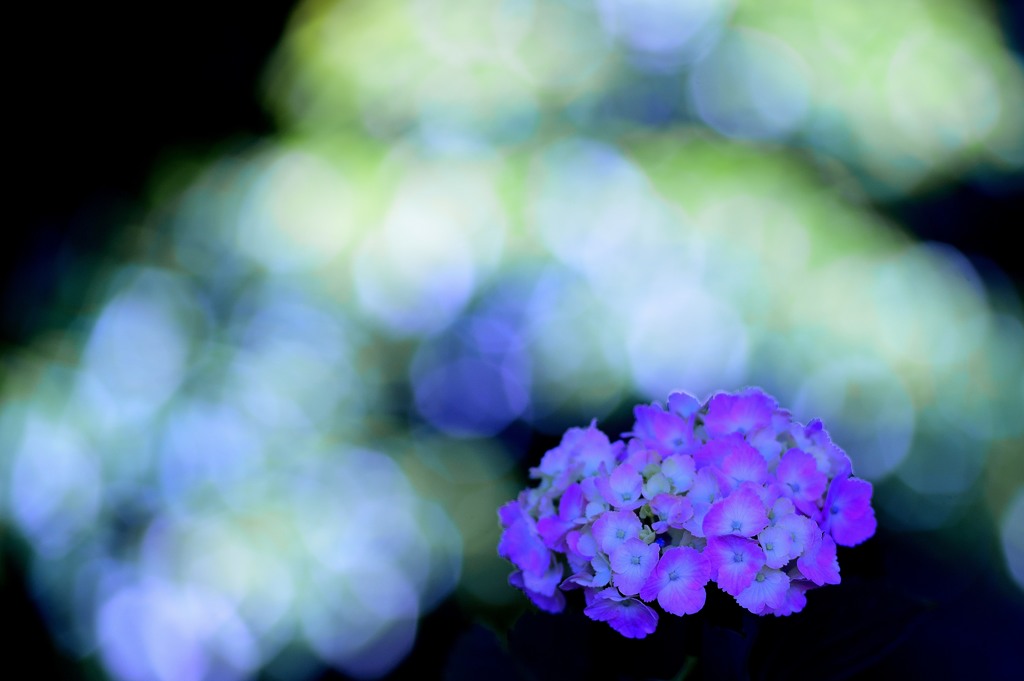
<point x="736" y="525"/>
<point x="760" y="577"/>
<point x="621" y="534"/>
<point x="737" y="557"/>
<point x="635" y="560"/>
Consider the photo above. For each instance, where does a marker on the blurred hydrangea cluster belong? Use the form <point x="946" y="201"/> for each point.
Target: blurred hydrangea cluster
<point x="732" y="491"/>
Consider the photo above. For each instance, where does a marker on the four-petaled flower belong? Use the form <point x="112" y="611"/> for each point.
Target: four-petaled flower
<point x="678" y="580"/>
<point x="632" y="563"/>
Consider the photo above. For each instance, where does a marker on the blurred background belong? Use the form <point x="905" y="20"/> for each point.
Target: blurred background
<point x="293" y="294"/>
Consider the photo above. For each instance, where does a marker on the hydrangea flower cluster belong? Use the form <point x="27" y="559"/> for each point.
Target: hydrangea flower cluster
<point x="732" y="491"/>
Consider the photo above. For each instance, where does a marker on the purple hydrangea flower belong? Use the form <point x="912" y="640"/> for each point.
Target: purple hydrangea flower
<point x="745" y="464"/>
<point x="628" y="616"/>
<point x="800" y="529"/>
<point x="848" y="513"/>
<point x="712" y="454"/>
<point x="656" y="485"/>
<point x="553" y="603"/>
<point x="553" y="528"/>
<point x="707" y="488"/>
<point x="796" y="598"/>
<point x="767" y="591"/>
<point x="742" y="513"/>
<point x="623" y="488"/>
<point x="683" y="404"/>
<point x="748" y="411"/>
<point x="777" y="545"/>
<point x="731" y="490"/>
<point x="801" y="480"/>
<point x="680" y="470"/>
<point x="582" y="544"/>
<point x="662" y="431"/>
<point x="677" y="582"/>
<point x="614" y="528"/>
<point x="818" y="562"/>
<point x="734" y="562"/>
<point x="632" y="563"/>
<point x="521" y="543"/>
<point x="597" y="573"/>
<point x="815" y="440"/>
<point x="672" y="510"/>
